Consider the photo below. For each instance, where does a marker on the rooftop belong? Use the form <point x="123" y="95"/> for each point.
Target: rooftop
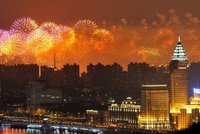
<point x="179" y="52"/>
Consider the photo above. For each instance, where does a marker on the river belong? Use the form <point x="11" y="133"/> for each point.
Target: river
<point x="32" y="131"/>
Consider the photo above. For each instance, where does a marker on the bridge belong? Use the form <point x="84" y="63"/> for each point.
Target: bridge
<point x="54" y="127"/>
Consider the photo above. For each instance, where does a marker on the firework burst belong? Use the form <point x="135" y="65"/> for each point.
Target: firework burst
<point x="84" y="42"/>
<point x="39" y="41"/>
<point x="24" y="26"/>
<point x="52" y="29"/>
<point x="103" y="40"/>
<point x="85" y="27"/>
<point x="165" y="37"/>
<point x="1" y="32"/>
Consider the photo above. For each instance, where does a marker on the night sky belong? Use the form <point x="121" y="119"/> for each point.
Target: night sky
<point x="140" y="30"/>
<point x="67" y="11"/>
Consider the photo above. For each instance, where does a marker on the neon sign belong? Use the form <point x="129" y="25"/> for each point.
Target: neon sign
<point x="196" y="90"/>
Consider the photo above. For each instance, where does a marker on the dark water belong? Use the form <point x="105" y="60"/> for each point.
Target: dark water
<point x="33" y="131"/>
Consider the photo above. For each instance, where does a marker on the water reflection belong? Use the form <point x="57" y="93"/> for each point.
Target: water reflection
<point x="32" y="131"/>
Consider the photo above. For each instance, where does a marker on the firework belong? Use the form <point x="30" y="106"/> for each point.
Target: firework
<point x="144" y="54"/>
<point x="2" y="36"/>
<point x="102" y="40"/>
<point x="39" y="41"/>
<point x="62" y="28"/>
<point x="193" y="33"/>
<point x="24" y="26"/>
<point x="165" y="37"/>
<point x="5" y="34"/>
<point x="68" y="37"/>
<point x="85" y="27"/>
<point x="10" y="48"/>
<point x="52" y="29"/>
<point x="1" y="32"/>
<point x="102" y="32"/>
<point x="7" y="48"/>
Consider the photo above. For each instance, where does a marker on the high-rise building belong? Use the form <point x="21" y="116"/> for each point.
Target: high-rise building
<point x="195" y="99"/>
<point x="194" y="76"/>
<point x="71" y="75"/>
<point x="138" y="74"/>
<point x="0" y="97"/>
<point x="183" y="114"/>
<point x="179" y="92"/>
<point x="53" y="78"/>
<point x="186" y="116"/>
<point x="154" y="107"/>
<point x="14" y="79"/>
<point x="38" y="94"/>
<point x="179" y="78"/>
<point x="116" y="75"/>
<point x="34" y="91"/>
<point x="99" y="76"/>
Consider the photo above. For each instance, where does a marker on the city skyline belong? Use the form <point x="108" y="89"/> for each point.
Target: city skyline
<point x="166" y="98"/>
<point x="48" y="56"/>
<point x="104" y="66"/>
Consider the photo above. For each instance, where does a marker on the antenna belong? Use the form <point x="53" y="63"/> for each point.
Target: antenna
<point x="54" y="60"/>
<point x="179" y="38"/>
<point x="40" y="71"/>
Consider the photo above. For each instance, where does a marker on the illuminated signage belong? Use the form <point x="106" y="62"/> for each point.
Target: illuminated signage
<point x="196" y="90"/>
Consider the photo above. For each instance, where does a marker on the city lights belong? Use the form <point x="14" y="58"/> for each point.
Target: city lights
<point x="196" y="90"/>
<point x="99" y="66"/>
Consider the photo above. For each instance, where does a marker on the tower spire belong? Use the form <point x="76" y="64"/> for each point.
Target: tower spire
<point x="179" y="38"/>
<point x="54" y="60"/>
<point x="179" y="52"/>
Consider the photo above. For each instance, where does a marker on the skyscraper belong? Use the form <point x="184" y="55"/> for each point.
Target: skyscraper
<point x="71" y="74"/>
<point x="53" y="78"/>
<point x="179" y="78"/>
<point x="99" y="76"/>
<point x="154" y="107"/>
<point x="179" y="87"/>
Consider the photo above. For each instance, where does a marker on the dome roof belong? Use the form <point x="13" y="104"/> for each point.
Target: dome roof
<point x="129" y="100"/>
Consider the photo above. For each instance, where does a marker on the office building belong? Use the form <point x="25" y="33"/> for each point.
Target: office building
<point x="195" y="99"/>
<point x="179" y="78"/>
<point x="71" y="75"/>
<point x="38" y="94"/>
<point x="154" y="107"/>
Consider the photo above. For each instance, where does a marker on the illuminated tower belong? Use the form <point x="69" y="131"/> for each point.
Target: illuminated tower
<point x="154" y="107"/>
<point x="179" y="78"/>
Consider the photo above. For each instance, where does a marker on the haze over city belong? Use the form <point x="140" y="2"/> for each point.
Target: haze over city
<point x="113" y="31"/>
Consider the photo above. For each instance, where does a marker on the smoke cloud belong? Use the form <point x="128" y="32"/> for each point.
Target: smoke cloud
<point x="85" y="42"/>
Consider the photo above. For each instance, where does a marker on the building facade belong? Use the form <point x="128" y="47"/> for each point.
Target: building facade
<point x="195" y="99"/>
<point x="154" y="107"/>
<point x="188" y="114"/>
<point x="71" y="75"/>
<point x="179" y="78"/>
<point x="126" y="112"/>
<point x="38" y="94"/>
<point x="179" y="91"/>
